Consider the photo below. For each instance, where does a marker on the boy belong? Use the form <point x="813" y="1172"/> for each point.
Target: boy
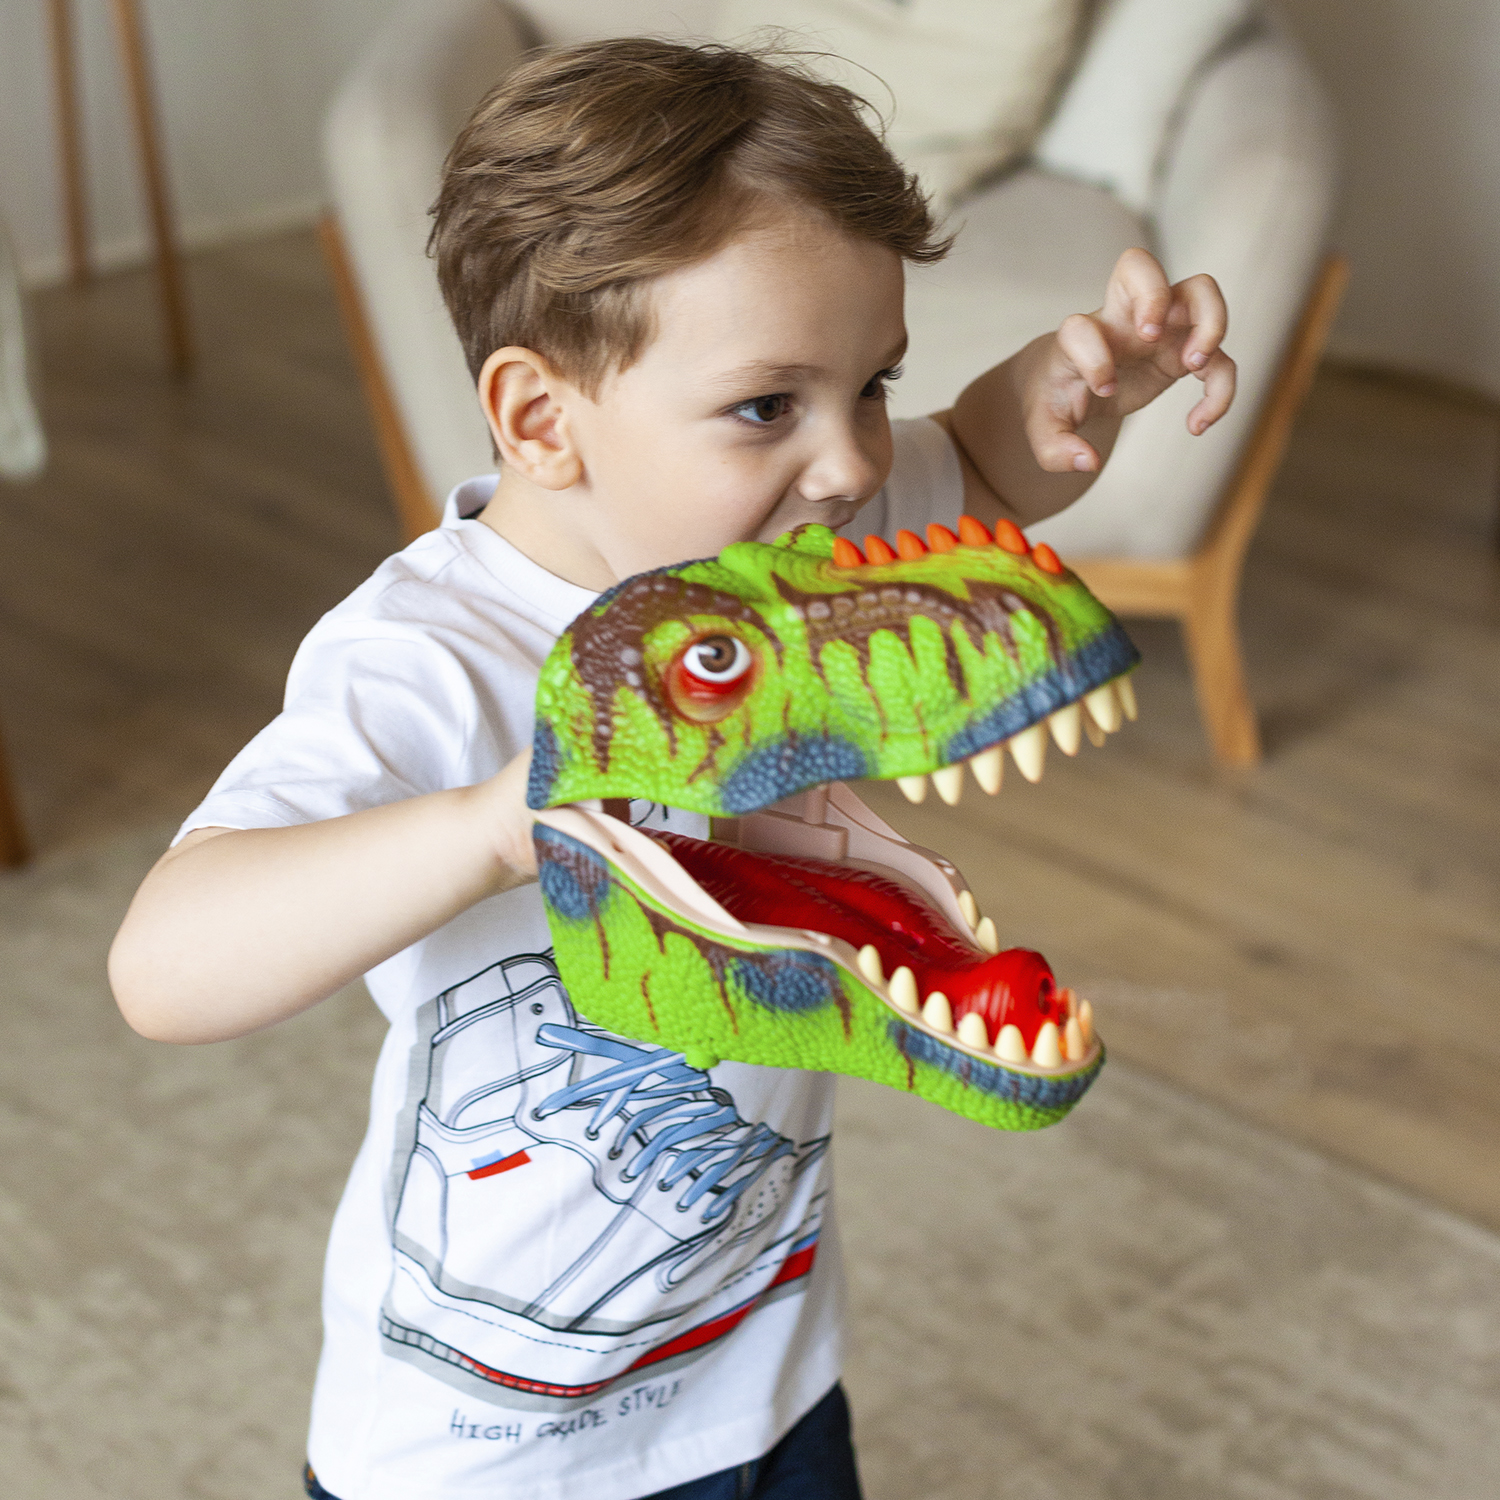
<point x="677" y="274"/>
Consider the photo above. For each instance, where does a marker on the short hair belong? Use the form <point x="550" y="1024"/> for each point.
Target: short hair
<point x="594" y="168"/>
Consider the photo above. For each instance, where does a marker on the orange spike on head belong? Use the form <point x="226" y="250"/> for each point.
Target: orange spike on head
<point x="1046" y="559"/>
<point x="972" y="532"/>
<point x="940" y="539"/>
<point x="1009" y="536"/>
<point x="846" y="554"/>
<point x="909" y="545"/>
<point x="878" y="550"/>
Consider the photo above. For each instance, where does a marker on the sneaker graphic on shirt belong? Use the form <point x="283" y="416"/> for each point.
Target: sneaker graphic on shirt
<point x="571" y="1207"/>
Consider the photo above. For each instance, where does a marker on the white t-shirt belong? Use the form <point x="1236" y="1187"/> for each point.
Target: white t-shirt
<point x="565" y="1263"/>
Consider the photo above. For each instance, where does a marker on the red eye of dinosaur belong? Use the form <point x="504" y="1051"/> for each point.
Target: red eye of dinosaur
<point x="711" y="677"/>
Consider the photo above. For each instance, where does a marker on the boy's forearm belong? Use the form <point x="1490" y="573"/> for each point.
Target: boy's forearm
<point x="989" y="424"/>
<point x="247" y="927"/>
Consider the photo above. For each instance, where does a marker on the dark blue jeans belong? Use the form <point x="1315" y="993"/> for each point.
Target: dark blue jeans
<point x="814" y="1461"/>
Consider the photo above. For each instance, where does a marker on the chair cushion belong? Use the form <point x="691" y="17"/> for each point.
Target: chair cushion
<point x="1031" y="250"/>
<point x="1113" y="123"/>
<point x="968" y="81"/>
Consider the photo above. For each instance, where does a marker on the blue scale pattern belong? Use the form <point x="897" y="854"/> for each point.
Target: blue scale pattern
<point x="788" y="981"/>
<point x="790" y="765"/>
<point x="991" y="1078"/>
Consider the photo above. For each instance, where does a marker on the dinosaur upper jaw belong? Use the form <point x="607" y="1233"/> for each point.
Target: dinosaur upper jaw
<point x="824" y="857"/>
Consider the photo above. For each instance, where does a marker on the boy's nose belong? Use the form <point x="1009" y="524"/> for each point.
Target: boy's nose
<point x="846" y="467"/>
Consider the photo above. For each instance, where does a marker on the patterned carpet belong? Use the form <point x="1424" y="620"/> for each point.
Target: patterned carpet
<point x="1151" y="1299"/>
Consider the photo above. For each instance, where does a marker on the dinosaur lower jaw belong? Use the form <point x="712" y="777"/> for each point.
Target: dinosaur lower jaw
<point x="823" y="874"/>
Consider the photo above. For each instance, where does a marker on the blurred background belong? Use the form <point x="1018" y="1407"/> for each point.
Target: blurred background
<point x="1264" y="1258"/>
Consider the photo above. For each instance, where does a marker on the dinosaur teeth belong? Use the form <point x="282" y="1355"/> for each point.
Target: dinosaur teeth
<point x="1086" y="1022"/>
<point x="1010" y="1045"/>
<point x="903" y="990"/>
<point x="938" y="1013"/>
<point x="949" y="782"/>
<point x="1074" y="1045"/>
<point x="971" y="1029"/>
<point x="1126" y="689"/>
<point x="913" y="788"/>
<point x="1104" y="706"/>
<point x="1030" y="751"/>
<point x="989" y="768"/>
<point x="986" y="936"/>
<point x="1046" y="1053"/>
<point x="970" y="908"/>
<point x="1067" y="728"/>
<point x="1096" y="735"/>
<point x="869" y="964"/>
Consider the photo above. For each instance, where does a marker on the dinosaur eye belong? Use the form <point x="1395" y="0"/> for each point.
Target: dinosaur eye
<point x="721" y="660"/>
<point x="709" y="680"/>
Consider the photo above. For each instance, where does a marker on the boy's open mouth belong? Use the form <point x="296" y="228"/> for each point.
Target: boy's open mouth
<point x="821" y="873"/>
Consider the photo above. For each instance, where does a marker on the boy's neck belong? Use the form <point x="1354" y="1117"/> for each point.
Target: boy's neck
<point x="549" y="527"/>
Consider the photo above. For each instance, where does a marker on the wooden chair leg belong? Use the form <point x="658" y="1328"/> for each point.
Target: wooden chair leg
<point x="1212" y="633"/>
<point x="69" y="138"/>
<point x="14" y="849"/>
<point x="169" y="275"/>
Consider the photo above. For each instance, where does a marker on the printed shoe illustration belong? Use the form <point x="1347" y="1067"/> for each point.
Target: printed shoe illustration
<point x="681" y="1215"/>
<point x="806" y="932"/>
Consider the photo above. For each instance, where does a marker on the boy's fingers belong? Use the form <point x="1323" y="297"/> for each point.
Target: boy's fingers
<point x="1207" y="317"/>
<point x="1056" y="445"/>
<point x="1218" y="377"/>
<point x="1139" y="294"/>
<point x="1083" y="342"/>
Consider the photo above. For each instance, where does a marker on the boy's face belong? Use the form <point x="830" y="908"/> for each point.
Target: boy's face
<point x="758" y="405"/>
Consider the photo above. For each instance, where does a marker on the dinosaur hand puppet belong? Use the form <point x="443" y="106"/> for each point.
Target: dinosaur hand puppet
<point x="807" y="933"/>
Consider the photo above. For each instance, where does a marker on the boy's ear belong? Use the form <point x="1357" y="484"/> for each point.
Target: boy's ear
<point x="525" y="401"/>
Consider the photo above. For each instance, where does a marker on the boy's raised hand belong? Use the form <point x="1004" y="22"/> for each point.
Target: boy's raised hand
<point x="1146" y="337"/>
<point x="1033" y="431"/>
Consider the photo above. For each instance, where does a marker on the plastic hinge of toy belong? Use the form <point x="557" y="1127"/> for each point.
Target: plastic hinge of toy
<point x="806" y="932"/>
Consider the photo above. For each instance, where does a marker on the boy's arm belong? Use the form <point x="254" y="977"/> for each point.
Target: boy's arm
<point x="1033" y="432"/>
<point x="235" y="929"/>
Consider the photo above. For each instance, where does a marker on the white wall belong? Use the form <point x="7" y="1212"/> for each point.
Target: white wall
<point x="242" y="85"/>
<point x="1416" y="84"/>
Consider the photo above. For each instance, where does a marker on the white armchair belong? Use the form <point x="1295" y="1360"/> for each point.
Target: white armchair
<point x="1236" y="177"/>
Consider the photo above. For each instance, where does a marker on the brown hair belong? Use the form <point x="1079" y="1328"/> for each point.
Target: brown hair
<point x="593" y="168"/>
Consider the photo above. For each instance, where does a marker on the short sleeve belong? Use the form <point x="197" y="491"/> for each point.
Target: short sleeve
<point x="376" y="711"/>
<point x="926" y="484"/>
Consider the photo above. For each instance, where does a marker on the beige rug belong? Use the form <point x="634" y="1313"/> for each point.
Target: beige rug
<point x="1150" y="1300"/>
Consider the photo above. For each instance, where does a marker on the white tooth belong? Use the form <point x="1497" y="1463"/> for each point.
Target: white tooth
<point x="970" y="908"/>
<point x="1126" y="689"/>
<point x="1067" y="728"/>
<point x="1010" y="1045"/>
<point x="1046" y="1053"/>
<point x="913" y="788"/>
<point x="989" y="768"/>
<point x="1096" y="735"/>
<point x="869" y="964"/>
<point x="1086" y="1021"/>
<point x="1030" y="751"/>
<point x="904" y="990"/>
<point x="1104" y="707"/>
<point x="972" y="1032"/>
<point x="950" y="783"/>
<point x="937" y="1012"/>
<point x="986" y="936"/>
<point x="1074" y="1045"/>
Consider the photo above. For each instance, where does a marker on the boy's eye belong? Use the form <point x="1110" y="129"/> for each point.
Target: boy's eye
<point x="763" y="409"/>
<point x="880" y="383"/>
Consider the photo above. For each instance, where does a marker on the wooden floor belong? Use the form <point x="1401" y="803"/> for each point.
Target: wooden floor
<point x="1315" y="944"/>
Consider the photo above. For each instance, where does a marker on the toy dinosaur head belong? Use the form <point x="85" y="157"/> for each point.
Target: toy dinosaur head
<point x="808" y="933"/>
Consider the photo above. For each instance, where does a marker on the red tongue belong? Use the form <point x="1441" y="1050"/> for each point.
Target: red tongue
<point x="782" y="890"/>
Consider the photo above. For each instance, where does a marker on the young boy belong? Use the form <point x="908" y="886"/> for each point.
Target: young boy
<point x="677" y="274"/>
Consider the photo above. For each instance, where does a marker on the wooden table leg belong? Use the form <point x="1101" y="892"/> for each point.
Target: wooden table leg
<point x="168" y="261"/>
<point x="14" y="849"/>
<point x="69" y="138"/>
